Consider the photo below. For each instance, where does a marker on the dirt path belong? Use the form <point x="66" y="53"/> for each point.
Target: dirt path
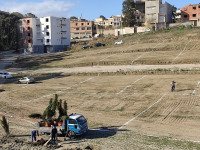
<point x="99" y="69"/>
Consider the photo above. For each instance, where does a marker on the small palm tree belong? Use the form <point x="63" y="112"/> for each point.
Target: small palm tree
<point x="5" y="125"/>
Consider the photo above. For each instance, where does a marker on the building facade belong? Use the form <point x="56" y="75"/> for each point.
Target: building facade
<point x="191" y="13"/>
<point x="157" y="14"/>
<point x="82" y="28"/>
<point x="45" y="35"/>
<point x="112" y="22"/>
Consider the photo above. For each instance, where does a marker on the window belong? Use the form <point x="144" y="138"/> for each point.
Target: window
<point x="89" y="28"/>
<point x="83" y="28"/>
<point x="194" y="15"/>
<point x="29" y="28"/>
<point x="29" y="34"/>
<point x="47" y="19"/>
<point x="47" y="26"/>
<point x="194" y="8"/>
<point x="29" y="41"/>
<point x="76" y="24"/>
<point x="71" y="121"/>
<point x="47" y="40"/>
<point x="88" y="23"/>
<point x="185" y="9"/>
<point x="185" y="16"/>
<point x="199" y="6"/>
<point x="82" y="24"/>
<point x="77" y="28"/>
<point x="47" y="33"/>
<point x="28" y="21"/>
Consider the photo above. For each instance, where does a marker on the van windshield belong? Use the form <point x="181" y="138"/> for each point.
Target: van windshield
<point x="81" y="120"/>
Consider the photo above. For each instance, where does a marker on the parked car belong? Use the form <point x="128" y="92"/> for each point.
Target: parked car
<point x="5" y="75"/>
<point x="148" y="30"/>
<point x="86" y="47"/>
<point x="119" y="42"/>
<point x="26" y="80"/>
<point x="99" y="44"/>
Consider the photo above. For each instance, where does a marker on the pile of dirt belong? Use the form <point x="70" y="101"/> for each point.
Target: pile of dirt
<point x="18" y="144"/>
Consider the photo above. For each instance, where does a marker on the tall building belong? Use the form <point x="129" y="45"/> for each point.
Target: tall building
<point x="45" y="35"/>
<point x="191" y="13"/>
<point x="157" y="14"/>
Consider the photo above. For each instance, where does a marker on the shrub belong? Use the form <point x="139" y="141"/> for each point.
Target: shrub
<point x="35" y="115"/>
<point x="5" y="125"/>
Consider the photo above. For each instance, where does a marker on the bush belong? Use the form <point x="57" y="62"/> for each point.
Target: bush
<point x="35" y="115"/>
<point x="5" y="125"/>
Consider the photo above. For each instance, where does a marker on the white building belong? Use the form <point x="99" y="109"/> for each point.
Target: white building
<point x="47" y="34"/>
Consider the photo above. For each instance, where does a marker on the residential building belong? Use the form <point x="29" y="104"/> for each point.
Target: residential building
<point x="112" y="22"/>
<point x="82" y="28"/>
<point x="45" y="35"/>
<point x="140" y="12"/>
<point x="191" y="13"/>
<point x="157" y="14"/>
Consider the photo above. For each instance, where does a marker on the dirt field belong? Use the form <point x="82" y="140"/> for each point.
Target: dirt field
<point x="124" y="110"/>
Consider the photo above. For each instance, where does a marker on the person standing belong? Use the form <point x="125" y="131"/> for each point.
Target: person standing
<point x="53" y="134"/>
<point x="173" y="86"/>
<point x="34" y="133"/>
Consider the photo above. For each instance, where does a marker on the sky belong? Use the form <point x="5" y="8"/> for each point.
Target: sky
<point x="87" y="9"/>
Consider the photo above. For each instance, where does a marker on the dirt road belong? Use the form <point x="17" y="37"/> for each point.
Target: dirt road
<point x="99" y="69"/>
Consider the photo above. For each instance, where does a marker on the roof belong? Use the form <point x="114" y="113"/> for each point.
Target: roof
<point x="75" y="116"/>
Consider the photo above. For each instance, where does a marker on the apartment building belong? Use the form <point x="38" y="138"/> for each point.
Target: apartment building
<point x="191" y="13"/>
<point x="157" y="14"/>
<point x="112" y="22"/>
<point x="82" y="28"/>
<point x="45" y="35"/>
<point x="140" y="12"/>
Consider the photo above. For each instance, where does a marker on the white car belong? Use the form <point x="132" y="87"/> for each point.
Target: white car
<point x="119" y="42"/>
<point x="26" y="80"/>
<point x="5" y="75"/>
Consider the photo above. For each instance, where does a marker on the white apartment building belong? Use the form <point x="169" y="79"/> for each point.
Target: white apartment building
<point x="46" y="35"/>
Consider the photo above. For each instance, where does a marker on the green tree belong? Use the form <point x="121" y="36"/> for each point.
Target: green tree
<point x="10" y="30"/>
<point x="5" y="125"/>
<point x="30" y="15"/>
<point x="129" y="11"/>
<point x="65" y="108"/>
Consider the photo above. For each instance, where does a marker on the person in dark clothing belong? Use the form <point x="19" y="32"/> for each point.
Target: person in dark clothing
<point x="34" y="133"/>
<point x="173" y="86"/>
<point x="53" y="134"/>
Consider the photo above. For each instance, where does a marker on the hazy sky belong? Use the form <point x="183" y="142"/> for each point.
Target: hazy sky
<point x="88" y="9"/>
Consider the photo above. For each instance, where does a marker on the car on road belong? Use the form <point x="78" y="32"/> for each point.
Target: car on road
<point x="26" y="80"/>
<point x="118" y="42"/>
<point x="86" y="46"/>
<point x="99" y="44"/>
<point x="5" y="75"/>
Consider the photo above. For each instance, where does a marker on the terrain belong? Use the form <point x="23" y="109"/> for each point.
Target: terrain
<point x="123" y="91"/>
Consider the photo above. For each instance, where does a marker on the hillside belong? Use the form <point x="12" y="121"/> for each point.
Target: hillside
<point x="125" y="108"/>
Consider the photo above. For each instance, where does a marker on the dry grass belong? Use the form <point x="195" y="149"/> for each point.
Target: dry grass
<point x="110" y="100"/>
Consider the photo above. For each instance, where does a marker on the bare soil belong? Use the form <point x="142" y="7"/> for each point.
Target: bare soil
<point x="124" y="111"/>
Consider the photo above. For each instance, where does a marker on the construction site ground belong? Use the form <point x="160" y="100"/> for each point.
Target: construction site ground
<point x="123" y="91"/>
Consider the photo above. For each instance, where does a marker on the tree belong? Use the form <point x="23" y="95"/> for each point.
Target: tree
<point x="174" y="14"/>
<point x="65" y="108"/>
<point x="129" y="11"/>
<point x="9" y="30"/>
<point x="30" y="15"/>
<point x="101" y="16"/>
<point x="5" y="125"/>
<point x="73" y="18"/>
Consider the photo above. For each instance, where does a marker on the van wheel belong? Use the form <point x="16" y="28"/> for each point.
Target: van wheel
<point x="71" y="135"/>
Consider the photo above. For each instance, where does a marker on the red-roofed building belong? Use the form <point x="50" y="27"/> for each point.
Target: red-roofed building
<point x="191" y="13"/>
